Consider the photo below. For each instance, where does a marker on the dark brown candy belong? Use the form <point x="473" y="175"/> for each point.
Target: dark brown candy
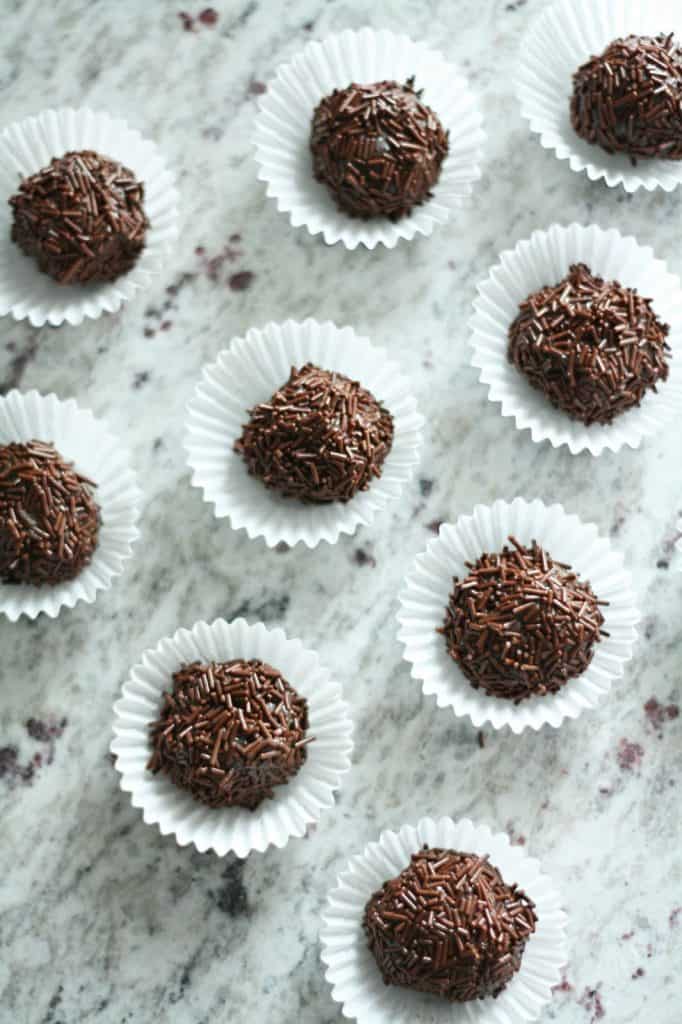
<point x="81" y="219"/>
<point x="520" y="624"/>
<point x="49" y="521"/>
<point x="230" y="732"/>
<point x="593" y="347"/>
<point x="629" y="99"/>
<point x="378" y="148"/>
<point x="322" y="437"/>
<point x="449" y="925"/>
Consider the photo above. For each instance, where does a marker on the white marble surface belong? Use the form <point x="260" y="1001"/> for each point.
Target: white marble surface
<point x="102" y="920"/>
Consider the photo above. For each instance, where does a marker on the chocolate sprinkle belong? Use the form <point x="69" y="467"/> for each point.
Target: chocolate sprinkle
<point x="449" y="925"/>
<point x="320" y="438"/>
<point x="81" y="219"/>
<point x="593" y="347"/>
<point x="520" y="624"/>
<point x="629" y="99"/>
<point x="49" y="521"/>
<point x="230" y="732"/>
<point x="377" y="148"/>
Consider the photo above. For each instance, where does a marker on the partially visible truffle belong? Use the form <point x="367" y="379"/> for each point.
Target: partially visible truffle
<point x="378" y="148"/>
<point x="629" y="98"/>
<point x="320" y="438"/>
<point x="230" y="732"/>
<point x="520" y="624"/>
<point x="449" y="925"/>
<point x="81" y="218"/>
<point x="593" y="347"/>
<point x="49" y="520"/>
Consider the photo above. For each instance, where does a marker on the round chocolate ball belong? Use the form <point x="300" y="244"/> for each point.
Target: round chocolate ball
<point x="230" y="732"/>
<point x="629" y="98"/>
<point x="49" y="520"/>
<point x="449" y="925"/>
<point x="594" y="348"/>
<point x="81" y="218"/>
<point x="320" y="438"/>
<point x="521" y="625"/>
<point x="377" y="148"/>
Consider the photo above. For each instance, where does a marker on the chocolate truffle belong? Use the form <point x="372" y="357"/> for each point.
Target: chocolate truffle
<point x="49" y="520"/>
<point x="449" y="925"/>
<point x="377" y="148"/>
<point x="520" y="624"/>
<point x="593" y="347"/>
<point x="320" y="438"/>
<point x="230" y="732"/>
<point x="81" y="219"/>
<point x="629" y="99"/>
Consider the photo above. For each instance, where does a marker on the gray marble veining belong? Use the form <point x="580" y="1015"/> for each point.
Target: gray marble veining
<point x="103" y="921"/>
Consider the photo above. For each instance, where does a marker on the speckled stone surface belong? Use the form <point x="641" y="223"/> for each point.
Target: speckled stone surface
<point x="101" y="919"/>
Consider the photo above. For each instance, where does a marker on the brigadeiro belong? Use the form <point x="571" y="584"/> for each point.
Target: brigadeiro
<point x="592" y="347"/>
<point x="49" y="519"/>
<point x="321" y="438"/>
<point x="520" y="624"/>
<point x="377" y="148"/>
<point x="629" y="98"/>
<point x="230" y="732"/>
<point x="449" y="925"/>
<point x="81" y="219"/>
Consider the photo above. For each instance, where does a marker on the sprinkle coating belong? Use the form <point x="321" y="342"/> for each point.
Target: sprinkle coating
<point x="629" y="98"/>
<point x="49" y="520"/>
<point x="322" y="437"/>
<point x="378" y="148"/>
<point x="520" y="624"/>
<point x="81" y="218"/>
<point x="593" y="347"/>
<point x="230" y="732"/>
<point x="449" y="925"/>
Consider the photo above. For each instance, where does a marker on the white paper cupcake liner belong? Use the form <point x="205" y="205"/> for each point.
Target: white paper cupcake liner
<point x="248" y="373"/>
<point x="428" y="586"/>
<point x="558" y="42"/>
<point x="295" y="805"/>
<point x="282" y="132"/>
<point x="84" y="441"/>
<point x="28" y="146"/>
<point x="544" y="259"/>
<point x="351" y="968"/>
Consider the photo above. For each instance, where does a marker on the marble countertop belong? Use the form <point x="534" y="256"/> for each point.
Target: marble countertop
<point x="104" y="921"/>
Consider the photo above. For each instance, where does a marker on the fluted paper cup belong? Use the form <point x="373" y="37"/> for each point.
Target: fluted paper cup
<point x="249" y="372"/>
<point x="544" y="259"/>
<point x="352" y="971"/>
<point x="559" y="41"/>
<point x="84" y="441"/>
<point x="28" y="146"/>
<point x="428" y="586"/>
<point x="295" y="805"/>
<point x="282" y="133"/>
